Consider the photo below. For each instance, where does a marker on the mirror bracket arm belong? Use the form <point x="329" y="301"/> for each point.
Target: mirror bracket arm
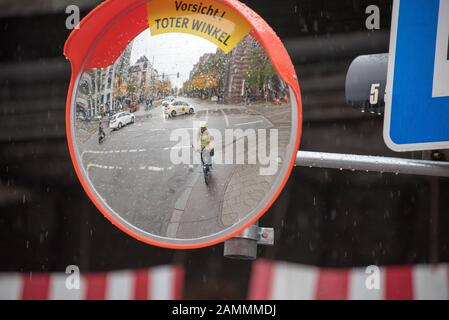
<point x="244" y="245"/>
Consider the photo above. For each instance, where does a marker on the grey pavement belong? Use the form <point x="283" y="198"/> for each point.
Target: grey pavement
<point x="246" y="186"/>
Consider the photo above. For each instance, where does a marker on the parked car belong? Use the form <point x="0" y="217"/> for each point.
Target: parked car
<point x="120" y="120"/>
<point x="177" y="108"/>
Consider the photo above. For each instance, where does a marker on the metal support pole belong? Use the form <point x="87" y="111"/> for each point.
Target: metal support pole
<point x="372" y="163"/>
<point x="244" y="246"/>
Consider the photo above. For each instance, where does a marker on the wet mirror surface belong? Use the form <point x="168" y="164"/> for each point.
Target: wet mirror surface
<point x="180" y="140"/>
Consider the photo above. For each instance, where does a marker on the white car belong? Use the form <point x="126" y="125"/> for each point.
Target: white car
<point x="120" y="120"/>
<point x="178" y="108"/>
<point x="168" y="101"/>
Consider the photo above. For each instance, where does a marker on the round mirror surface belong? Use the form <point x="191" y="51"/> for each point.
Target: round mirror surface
<point x="183" y="142"/>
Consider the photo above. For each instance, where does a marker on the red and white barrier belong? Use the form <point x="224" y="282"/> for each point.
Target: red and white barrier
<point x="287" y="281"/>
<point x="160" y="283"/>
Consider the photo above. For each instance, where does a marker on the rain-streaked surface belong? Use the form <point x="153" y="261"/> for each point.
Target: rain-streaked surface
<point x="144" y="126"/>
<point x="328" y="218"/>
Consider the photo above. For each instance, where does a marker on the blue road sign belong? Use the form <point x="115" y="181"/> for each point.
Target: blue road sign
<point x="417" y="94"/>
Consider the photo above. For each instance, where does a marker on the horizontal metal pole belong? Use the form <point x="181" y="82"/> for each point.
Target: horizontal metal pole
<point x="372" y="163"/>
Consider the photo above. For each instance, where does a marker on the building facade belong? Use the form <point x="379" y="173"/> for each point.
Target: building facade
<point x="235" y="82"/>
<point x="141" y="78"/>
<point x="250" y="74"/>
<point x="96" y="94"/>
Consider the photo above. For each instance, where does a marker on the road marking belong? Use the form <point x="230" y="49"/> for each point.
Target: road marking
<point x="275" y="113"/>
<point x="173" y="226"/>
<point x="177" y="148"/>
<point x="111" y="151"/>
<point x="98" y="166"/>
<point x="181" y="203"/>
<point x="156" y="169"/>
<point x="146" y="130"/>
<point x="180" y="206"/>
<point x="247" y="123"/>
<point x="226" y="117"/>
<point x="141" y="168"/>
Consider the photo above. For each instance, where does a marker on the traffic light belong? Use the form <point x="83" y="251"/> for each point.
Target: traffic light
<point x="177" y="75"/>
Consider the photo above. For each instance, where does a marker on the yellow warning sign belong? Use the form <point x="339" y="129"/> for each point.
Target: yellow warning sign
<point x="208" y="19"/>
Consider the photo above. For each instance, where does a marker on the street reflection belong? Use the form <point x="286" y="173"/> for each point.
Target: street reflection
<point x="180" y="139"/>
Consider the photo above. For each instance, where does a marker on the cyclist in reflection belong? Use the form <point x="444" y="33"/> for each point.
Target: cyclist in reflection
<point x="205" y="141"/>
<point x="101" y="133"/>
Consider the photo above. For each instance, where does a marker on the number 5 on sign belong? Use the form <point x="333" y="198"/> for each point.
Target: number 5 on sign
<point x="441" y="72"/>
<point x="374" y="97"/>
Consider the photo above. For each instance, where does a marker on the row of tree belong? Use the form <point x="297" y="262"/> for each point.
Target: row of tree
<point x="131" y="88"/>
<point x="260" y="71"/>
<point x="209" y="77"/>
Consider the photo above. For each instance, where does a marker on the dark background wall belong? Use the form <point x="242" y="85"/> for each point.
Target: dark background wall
<point x="324" y="217"/>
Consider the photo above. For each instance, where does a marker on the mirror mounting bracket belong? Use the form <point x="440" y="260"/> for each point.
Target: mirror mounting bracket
<point x="244" y="245"/>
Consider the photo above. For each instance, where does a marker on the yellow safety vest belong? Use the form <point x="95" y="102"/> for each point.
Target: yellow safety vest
<point x="205" y="139"/>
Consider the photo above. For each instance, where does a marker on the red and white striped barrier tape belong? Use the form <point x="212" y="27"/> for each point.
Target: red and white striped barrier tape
<point x="287" y="281"/>
<point x="160" y="283"/>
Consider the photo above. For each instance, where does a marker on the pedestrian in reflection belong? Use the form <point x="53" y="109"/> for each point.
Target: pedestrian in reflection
<point x="247" y="95"/>
<point x="276" y="100"/>
<point x="286" y="99"/>
<point x="101" y="133"/>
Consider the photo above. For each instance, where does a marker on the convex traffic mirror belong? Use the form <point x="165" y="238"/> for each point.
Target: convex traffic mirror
<point x="183" y="117"/>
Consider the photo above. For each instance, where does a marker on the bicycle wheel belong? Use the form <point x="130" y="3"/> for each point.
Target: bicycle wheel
<point x="206" y="176"/>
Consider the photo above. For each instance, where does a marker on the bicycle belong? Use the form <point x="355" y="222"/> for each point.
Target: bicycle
<point x="206" y="160"/>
